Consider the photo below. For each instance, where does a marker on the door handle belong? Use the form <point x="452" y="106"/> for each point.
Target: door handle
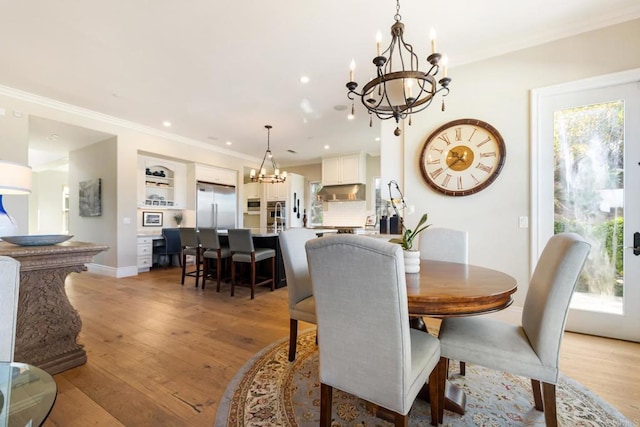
<point x="636" y="243"/>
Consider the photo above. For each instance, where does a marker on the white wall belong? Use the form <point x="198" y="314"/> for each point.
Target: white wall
<point x="45" y="202"/>
<point x="497" y="91"/>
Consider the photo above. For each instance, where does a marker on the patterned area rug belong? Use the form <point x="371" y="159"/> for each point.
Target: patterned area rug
<point x="271" y="391"/>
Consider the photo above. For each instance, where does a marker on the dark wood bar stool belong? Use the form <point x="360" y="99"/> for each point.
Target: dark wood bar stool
<point x="190" y="246"/>
<point x="243" y="251"/>
<point x="211" y="250"/>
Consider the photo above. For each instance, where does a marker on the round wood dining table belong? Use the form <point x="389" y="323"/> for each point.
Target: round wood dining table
<point x="445" y="289"/>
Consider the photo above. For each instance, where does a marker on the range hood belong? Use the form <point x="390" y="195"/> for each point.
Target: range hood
<point x="343" y="193"/>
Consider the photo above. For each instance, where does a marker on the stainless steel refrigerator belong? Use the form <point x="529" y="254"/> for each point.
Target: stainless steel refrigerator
<point x="215" y="205"/>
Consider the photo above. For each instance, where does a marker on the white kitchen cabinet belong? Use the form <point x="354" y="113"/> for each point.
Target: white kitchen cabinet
<point x="145" y="253"/>
<point x="276" y="191"/>
<point x="216" y="175"/>
<point x="162" y="183"/>
<point x="345" y="169"/>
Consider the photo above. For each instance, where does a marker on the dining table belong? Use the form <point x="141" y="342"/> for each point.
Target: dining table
<point x="27" y="394"/>
<point x="445" y="289"/>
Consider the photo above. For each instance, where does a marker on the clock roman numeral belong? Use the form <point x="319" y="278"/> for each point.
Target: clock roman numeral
<point x="445" y="181"/>
<point x="436" y="173"/>
<point x="459" y="183"/>
<point x="436" y="149"/>
<point x="472" y="133"/>
<point x="458" y="134"/>
<point x="483" y="167"/>
<point x="445" y="138"/>
<point x="475" y="180"/>
<point x="490" y="154"/>
<point x="435" y="161"/>
<point x="484" y="142"/>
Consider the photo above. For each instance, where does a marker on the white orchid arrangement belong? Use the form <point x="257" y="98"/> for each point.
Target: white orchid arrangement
<point x="408" y="235"/>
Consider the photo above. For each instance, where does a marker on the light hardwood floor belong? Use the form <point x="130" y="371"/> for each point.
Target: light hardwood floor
<point x="160" y="354"/>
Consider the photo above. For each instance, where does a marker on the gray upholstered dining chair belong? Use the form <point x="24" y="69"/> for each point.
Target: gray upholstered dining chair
<point x="190" y="246"/>
<point x="302" y="305"/>
<point x="367" y="347"/>
<point x="448" y="245"/>
<point x="531" y="350"/>
<point x="212" y="250"/>
<point x="444" y="244"/>
<point x="243" y="251"/>
<point x="9" y="290"/>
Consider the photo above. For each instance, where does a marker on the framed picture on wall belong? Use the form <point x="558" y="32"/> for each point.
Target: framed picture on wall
<point x="152" y="219"/>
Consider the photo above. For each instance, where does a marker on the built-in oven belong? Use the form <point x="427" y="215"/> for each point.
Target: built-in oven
<point x="253" y="205"/>
<point x="276" y="214"/>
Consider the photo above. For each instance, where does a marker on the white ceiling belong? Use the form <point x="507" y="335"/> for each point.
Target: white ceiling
<point x="220" y="71"/>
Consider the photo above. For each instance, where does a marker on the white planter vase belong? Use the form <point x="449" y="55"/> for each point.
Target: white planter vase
<point x="411" y="261"/>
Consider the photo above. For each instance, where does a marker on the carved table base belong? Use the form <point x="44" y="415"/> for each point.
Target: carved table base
<point x="48" y="326"/>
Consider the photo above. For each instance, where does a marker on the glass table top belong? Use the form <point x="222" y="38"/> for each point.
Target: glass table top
<point x="27" y="394"/>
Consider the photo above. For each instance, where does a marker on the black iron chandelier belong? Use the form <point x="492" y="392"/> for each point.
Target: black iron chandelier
<point x="400" y="88"/>
<point x="276" y="176"/>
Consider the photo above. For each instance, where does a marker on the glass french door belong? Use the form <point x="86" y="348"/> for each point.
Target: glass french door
<point x="589" y="182"/>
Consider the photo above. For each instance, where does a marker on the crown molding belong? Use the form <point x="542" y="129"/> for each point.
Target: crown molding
<point x="115" y="121"/>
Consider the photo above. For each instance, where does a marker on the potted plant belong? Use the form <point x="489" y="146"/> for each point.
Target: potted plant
<point x="178" y="218"/>
<point x="411" y="257"/>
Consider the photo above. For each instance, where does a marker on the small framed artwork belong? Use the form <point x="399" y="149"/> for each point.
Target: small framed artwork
<point x="90" y="197"/>
<point x="152" y="219"/>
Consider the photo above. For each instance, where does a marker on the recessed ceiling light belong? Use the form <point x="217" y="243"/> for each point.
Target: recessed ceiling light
<point x="228" y="142"/>
<point x="351" y="117"/>
<point x="304" y="79"/>
<point x="377" y="138"/>
<point x="166" y="124"/>
<point x="326" y="147"/>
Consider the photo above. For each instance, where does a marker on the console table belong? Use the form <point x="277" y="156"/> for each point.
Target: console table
<point x="48" y="326"/>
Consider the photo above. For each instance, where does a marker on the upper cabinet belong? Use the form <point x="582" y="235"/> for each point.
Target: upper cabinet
<point x="345" y="169"/>
<point x="216" y="175"/>
<point x="162" y="183"/>
<point x="276" y="191"/>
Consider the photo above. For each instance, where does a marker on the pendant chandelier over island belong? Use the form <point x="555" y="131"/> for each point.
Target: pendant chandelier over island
<point x="262" y="176"/>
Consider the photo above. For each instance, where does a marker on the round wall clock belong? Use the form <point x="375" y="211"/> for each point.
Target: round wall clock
<point x="462" y="157"/>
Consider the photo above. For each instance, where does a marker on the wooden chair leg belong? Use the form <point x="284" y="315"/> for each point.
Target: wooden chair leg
<point x="218" y="271"/>
<point x="273" y="274"/>
<point x="184" y="267"/>
<point x="233" y="277"/>
<point x="293" y="338"/>
<point x="197" y="266"/>
<point x="253" y="276"/>
<point x="434" y="390"/>
<point x="443" y="369"/>
<point x="326" y="395"/>
<point x="537" y="394"/>
<point x="549" y="395"/>
<point x="205" y="270"/>
<point x="401" y="420"/>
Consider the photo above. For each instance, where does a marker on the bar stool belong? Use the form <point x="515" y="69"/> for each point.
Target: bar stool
<point x="190" y="246"/>
<point x="243" y="251"/>
<point x="211" y="250"/>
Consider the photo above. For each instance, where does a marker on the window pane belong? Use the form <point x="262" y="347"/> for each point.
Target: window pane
<point x="589" y="162"/>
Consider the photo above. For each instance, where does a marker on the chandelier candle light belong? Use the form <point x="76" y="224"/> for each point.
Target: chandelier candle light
<point x="401" y="91"/>
<point x="263" y="177"/>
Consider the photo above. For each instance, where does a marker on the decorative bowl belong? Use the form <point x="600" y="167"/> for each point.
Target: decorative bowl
<point x="37" y="240"/>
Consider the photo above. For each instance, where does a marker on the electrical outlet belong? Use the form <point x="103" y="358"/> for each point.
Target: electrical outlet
<point x="523" y="222"/>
